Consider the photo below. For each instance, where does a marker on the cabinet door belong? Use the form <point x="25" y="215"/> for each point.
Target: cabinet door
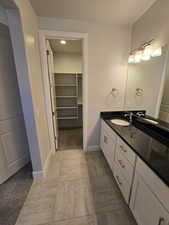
<point x="107" y="145"/>
<point x="145" y="206"/>
<point x="126" y="151"/>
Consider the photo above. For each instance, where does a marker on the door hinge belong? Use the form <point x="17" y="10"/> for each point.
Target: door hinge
<point x="47" y="52"/>
<point x="53" y="113"/>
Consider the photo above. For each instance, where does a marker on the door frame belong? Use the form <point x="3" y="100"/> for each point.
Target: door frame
<point x="51" y="34"/>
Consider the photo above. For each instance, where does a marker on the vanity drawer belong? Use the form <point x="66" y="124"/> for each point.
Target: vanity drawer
<point x="125" y="150"/>
<point x="108" y="130"/>
<point x="122" y="182"/>
<point x="125" y="167"/>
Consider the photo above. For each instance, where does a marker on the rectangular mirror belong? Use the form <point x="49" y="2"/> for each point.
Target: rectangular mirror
<point x="148" y="86"/>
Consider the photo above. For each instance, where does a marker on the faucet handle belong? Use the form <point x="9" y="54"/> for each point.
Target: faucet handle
<point x="128" y="114"/>
<point x="140" y="114"/>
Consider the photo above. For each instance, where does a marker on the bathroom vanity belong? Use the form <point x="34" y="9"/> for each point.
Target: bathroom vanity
<point x="138" y="156"/>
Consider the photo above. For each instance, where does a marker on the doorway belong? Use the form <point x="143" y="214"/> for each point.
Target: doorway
<point x="65" y="89"/>
<point x="64" y="61"/>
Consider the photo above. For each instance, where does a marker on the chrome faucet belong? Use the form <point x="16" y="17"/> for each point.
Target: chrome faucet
<point x="130" y="115"/>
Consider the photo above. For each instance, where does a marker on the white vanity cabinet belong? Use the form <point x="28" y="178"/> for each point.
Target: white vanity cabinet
<point x="145" y="206"/>
<point x="146" y="203"/>
<point x="120" y="158"/>
<point x="108" y="143"/>
<point x="145" y="193"/>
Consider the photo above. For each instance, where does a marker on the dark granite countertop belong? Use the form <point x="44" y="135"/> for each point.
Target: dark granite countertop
<point x="149" y="142"/>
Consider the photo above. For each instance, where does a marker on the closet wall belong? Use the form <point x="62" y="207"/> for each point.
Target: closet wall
<point x="68" y="81"/>
<point x="67" y="63"/>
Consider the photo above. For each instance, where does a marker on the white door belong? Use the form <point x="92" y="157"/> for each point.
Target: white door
<point x="51" y="78"/>
<point x="145" y="206"/>
<point x="13" y="141"/>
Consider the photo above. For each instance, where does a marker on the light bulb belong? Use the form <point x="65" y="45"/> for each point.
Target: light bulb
<point x="63" y="42"/>
<point x="137" y="59"/>
<point x="138" y="56"/>
<point x="147" y="51"/>
<point x="131" y="59"/>
<point x="156" y="52"/>
<point x="145" y="57"/>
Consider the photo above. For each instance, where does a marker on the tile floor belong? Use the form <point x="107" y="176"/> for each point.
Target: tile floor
<point x="13" y="194"/>
<point x="70" y="139"/>
<point x="79" y="189"/>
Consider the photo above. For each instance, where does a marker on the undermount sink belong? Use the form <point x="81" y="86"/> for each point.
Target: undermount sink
<point x="120" y="122"/>
<point x="150" y="121"/>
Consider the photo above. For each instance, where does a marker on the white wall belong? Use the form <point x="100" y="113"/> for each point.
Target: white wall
<point x="31" y="41"/>
<point x="24" y="34"/>
<point x="153" y="24"/>
<point x="107" y="66"/>
<point x="67" y="63"/>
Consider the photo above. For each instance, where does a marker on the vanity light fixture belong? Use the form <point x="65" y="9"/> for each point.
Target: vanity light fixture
<point x="144" y="53"/>
<point x="62" y="42"/>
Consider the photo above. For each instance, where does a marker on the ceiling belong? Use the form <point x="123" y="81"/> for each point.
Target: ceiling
<point x="104" y="11"/>
<point x="71" y="46"/>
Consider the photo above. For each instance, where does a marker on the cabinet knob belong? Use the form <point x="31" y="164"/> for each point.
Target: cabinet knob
<point x="123" y="149"/>
<point x="161" y="221"/>
<point x="121" y="163"/>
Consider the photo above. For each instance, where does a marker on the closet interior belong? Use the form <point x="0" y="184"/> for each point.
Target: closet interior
<point x="67" y="81"/>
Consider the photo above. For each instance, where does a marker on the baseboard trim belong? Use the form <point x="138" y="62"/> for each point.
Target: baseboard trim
<point x="42" y="173"/>
<point x="14" y="167"/>
<point x="93" y="148"/>
<point x="18" y="164"/>
<point x="47" y="162"/>
<point x="37" y="174"/>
